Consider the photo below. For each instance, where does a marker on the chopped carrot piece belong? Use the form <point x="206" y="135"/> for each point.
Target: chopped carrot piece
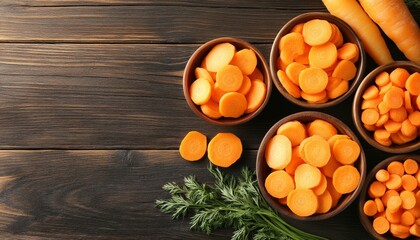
<point x="392" y="126"/>
<point x="302" y="202"/>
<point x="246" y="60"/>
<point x="400" y="230"/>
<point x="413" y="84"/>
<point x="288" y="84"/>
<point x="313" y="80"/>
<point x="255" y="96"/>
<point x="232" y="104"/>
<point x="335" y="137"/>
<point x="193" y="146"/>
<point x="203" y="73"/>
<point x="407" y="128"/>
<point x="334" y="194"/>
<point x="295" y="131"/>
<point x="389" y="193"/>
<point x="295" y="161"/>
<point x="407" y="102"/>
<point x="329" y="169"/>
<point x="278" y="152"/>
<point x="407" y="218"/>
<point x="307" y="176"/>
<point x="293" y="70"/>
<point x="408" y="199"/>
<point x="371" y="92"/>
<point x="324" y="202"/>
<point x="382" y="79"/>
<point x="376" y="189"/>
<point x="316" y="32"/>
<point x="336" y="92"/>
<point x="394" y="204"/>
<point x="336" y="36"/>
<point x="219" y="56"/>
<point x="323" y="56"/>
<point x="371" y="103"/>
<point x="217" y="94"/>
<point x="396" y="167"/>
<point x="211" y="109"/>
<point x="393" y="217"/>
<point x="394" y="97"/>
<point x="200" y="91"/>
<point x="349" y="51"/>
<point x="246" y="85"/>
<point x="303" y="59"/>
<point x="297" y="28"/>
<point x="383" y="108"/>
<point x="415" y="230"/>
<point x="345" y="70"/>
<point x="383" y="118"/>
<point x="381" y="134"/>
<point x="414" y="118"/>
<point x="224" y="149"/>
<point x="379" y="205"/>
<point x="322" y="186"/>
<point x="394" y="182"/>
<point x="384" y="89"/>
<point x="409" y="182"/>
<point x="398" y="77"/>
<point x="346" y="179"/>
<point x="410" y="166"/>
<point x="321" y="128"/>
<point x="317" y="152"/>
<point x="291" y="46"/>
<point x="229" y="78"/>
<point x="279" y="184"/>
<point x="382" y="175"/>
<point x="370" y="208"/>
<point x="256" y="74"/>
<point x="398" y="114"/>
<point x="381" y="225"/>
<point x="346" y="151"/>
<point x="370" y="116"/>
<point x="320" y="97"/>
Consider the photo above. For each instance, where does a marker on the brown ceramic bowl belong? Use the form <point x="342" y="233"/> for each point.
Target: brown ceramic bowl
<point x="195" y="61"/>
<point x="365" y="220"/>
<point x="357" y="111"/>
<point x="348" y="35"/>
<point x="263" y="170"/>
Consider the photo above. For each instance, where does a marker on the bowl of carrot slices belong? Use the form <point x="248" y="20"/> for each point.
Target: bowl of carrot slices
<point x="316" y="60"/>
<point x="389" y="204"/>
<point x="226" y="81"/>
<point x="310" y="166"/>
<point x="386" y="107"/>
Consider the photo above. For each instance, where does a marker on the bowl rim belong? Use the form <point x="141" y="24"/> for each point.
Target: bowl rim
<point x="275" y="52"/>
<point x="356" y="111"/>
<point x="260" y="161"/>
<point x="196" y="58"/>
<point x="364" y="219"/>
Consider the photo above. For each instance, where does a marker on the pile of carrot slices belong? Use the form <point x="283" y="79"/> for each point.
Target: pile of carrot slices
<point x="391" y="107"/>
<point x="315" y="63"/>
<point x="312" y="166"/>
<point x="228" y="82"/>
<point x="394" y="202"/>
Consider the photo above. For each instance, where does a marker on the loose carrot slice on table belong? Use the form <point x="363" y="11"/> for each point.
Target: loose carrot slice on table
<point x="193" y="146"/>
<point x="224" y="149"/>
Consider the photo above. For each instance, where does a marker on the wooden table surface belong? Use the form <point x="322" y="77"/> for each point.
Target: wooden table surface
<point x="92" y="113"/>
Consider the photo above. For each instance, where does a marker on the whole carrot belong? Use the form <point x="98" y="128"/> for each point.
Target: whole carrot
<point x="394" y="18"/>
<point x="352" y="13"/>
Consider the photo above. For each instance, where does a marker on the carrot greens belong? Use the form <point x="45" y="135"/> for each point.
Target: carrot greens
<point x="230" y="202"/>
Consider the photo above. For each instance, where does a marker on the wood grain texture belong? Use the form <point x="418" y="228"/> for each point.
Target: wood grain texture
<point x="109" y="195"/>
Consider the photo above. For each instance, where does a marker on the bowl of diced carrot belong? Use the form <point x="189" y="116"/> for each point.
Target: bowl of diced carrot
<point x="316" y="60"/>
<point x="310" y="166"/>
<point x="389" y="204"/>
<point x="226" y="81"/>
<point x="386" y="107"/>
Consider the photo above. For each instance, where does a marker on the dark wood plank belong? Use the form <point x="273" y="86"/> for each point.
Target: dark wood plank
<point x="111" y="194"/>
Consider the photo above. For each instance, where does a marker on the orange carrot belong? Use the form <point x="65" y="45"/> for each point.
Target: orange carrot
<point x="409" y="182"/>
<point x="219" y="56"/>
<point x="341" y="88"/>
<point x="370" y="116"/>
<point x="399" y="230"/>
<point x="297" y="28"/>
<point x="371" y="92"/>
<point x="203" y="73"/>
<point x="398" y="114"/>
<point x="415" y="230"/>
<point x="346" y="151"/>
<point x="293" y="70"/>
<point x="353" y="14"/>
<point x="321" y="128"/>
<point x="399" y="76"/>
<point x="349" y="51"/>
<point x="345" y="70"/>
<point x="303" y="58"/>
<point x="193" y="146"/>
<point x="320" y="97"/>
<point x="317" y="152"/>
<point x="393" y="217"/>
<point x="382" y="79"/>
<point x="346" y="179"/>
<point x="379" y="205"/>
<point x="211" y="109"/>
<point x="396" y="21"/>
<point x="256" y="74"/>
<point x="229" y="78"/>
<point x="407" y="128"/>
<point x="394" y="97"/>
<point x="408" y="199"/>
<point x="291" y="46"/>
<point x="388" y="194"/>
<point x="294" y="130"/>
<point x="296" y="161"/>
<point x="217" y="94"/>
<point x="394" y="182"/>
<point x="413" y="84"/>
<point x="232" y="104"/>
<point x="246" y="60"/>
<point x="246" y="85"/>
<point x="381" y="225"/>
<point x="313" y="80"/>
<point x="200" y="91"/>
<point x="407" y="218"/>
<point x="382" y="175"/>
<point x="255" y="96"/>
<point x="410" y="166"/>
<point x="323" y="56"/>
<point x="334" y="194"/>
<point x="394" y="204"/>
<point x="324" y="202"/>
<point x="322" y="186"/>
<point x="376" y="189"/>
<point x="337" y="36"/>
<point x="396" y="167"/>
<point x="224" y="149"/>
<point x="288" y="84"/>
<point x="329" y="169"/>
<point x="302" y="202"/>
<point x="278" y="152"/>
<point x="414" y="118"/>
<point x="279" y="184"/>
<point x="307" y="176"/>
<point x="316" y="32"/>
<point x="382" y="120"/>
<point x="370" y="208"/>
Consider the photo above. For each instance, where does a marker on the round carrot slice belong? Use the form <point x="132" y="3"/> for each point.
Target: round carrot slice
<point x="200" y="91"/>
<point x="302" y="202"/>
<point x="317" y="152"/>
<point x="307" y="176"/>
<point x="246" y="60"/>
<point x="316" y="32"/>
<point x="229" y="78"/>
<point x="224" y="149"/>
<point x="255" y="96"/>
<point x="346" y="151"/>
<point x="193" y="146"/>
<point x="323" y="56"/>
<point x="313" y="80"/>
<point x="279" y="184"/>
<point x="346" y="179"/>
<point x="219" y="56"/>
<point x="232" y="104"/>
<point x="278" y="152"/>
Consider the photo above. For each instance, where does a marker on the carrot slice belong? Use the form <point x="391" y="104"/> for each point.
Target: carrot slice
<point x="407" y="218"/>
<point x="336" y="36"/>
<point x="297" y="28"/>
<point x="382" y="79"/>
<point x="371" y="103"/>
<point x="246" y="85"/>
<point x="323" y="56"/>
<point x="291" y="46"/>
<point x="394" y="182"/>
<point x="316" y="32"/>
<point x="370" y="116"/>
<point x="396" y="167"/>
<point x="307" y="176"/>
<point x="382" y="120"/>
<point x="322" y="186"/>
<point x="349" y="51"/>
<point x="345" y="70"/>
<point x="346" y="179"/>
<point x="414" y="118"/>
<point x="346" y="151"/>
<point x="193" y="146"/>
<point x="294" y="130"/>
<point x="376" y="189"/>
<point x="408" y="199"/>
<point x="219" y="56"/>
<point x="371" y="92"/>
<point x="224" y="149"/>
<point x="392" y="126"/>
<point x="203" y="73"/>
<point x="407" y="128"/>
<point x="246" y="60"/>
<point x="211" y="109"/>
<point x="379" y="205"/>
<point x="324" y="202"/>
<point x="321" y="128"/>
<point x="279" y="184"/>
<point x="302" y="145"/>
<point x="200" y="91"/>
<point x="313" y="80"/>
<point x="413" y="84"/>
<point x="232" y="104"/>
<point x="278" y="152"/>
<point x="389" y="193"/>
<point x="293" y="70"/>
<point x="303" y="58"/>
<point x="398" y="114"/>
<point x="399" y="76"/>
<point x="302" y="202"/>
<point x="256" y="74"/>
<point x="229" y="78"/>
<point x="335" y="137"/>
<point x="329" y="169"/>
<point x="381" y="225"/>
<point x="381" y="135"/>
<point x="336" y="92"/>
<point x="394" y="97"/>
<point x="407" y="102"/>
<point x="317" y="152"/>
<point x="409" y="182"/>
<point x="415" y="230"/>
<point x="217" y="94"/>
<point x="394" y="204"/>
<point x="320" y="97"/>
<point x="410" y="166"/>
<point x="295" y="161"/>
<point x="255" y="96"/>
<point x="382" y="175"/>
<point x="370" y="208"/>
<point x="288" y="84"/>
